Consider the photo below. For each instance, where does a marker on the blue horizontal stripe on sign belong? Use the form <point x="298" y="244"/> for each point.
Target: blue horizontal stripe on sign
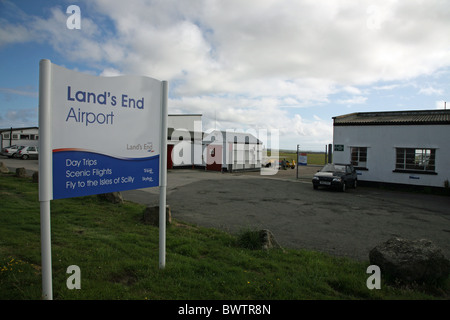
<point x="80" y="173"/>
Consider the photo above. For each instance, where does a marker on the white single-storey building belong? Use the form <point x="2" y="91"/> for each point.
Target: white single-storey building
<point x="28" y="136"/>
<point x="232" y="151"/>
<point x="189" y="146"/>
<point x="400" y="147"/>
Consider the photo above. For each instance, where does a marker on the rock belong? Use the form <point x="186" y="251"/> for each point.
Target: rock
<point x="3" y="168"/>
<point x="35" y="177"/>
<point x="21" y="172"/>
<point x="268" y="240"/>
<point x="151" y="216"/>
<point x="114" y="197"/>
<point x="257" y="240"/>
<point x="410" y="261"/>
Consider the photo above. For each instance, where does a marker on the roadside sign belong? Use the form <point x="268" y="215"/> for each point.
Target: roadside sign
<point x="105" y="133"/>
<point x="302" y="159"/>
<point x="98" y="135"/>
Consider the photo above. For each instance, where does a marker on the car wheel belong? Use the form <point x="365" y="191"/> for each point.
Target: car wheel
<point x="25" y="157"/>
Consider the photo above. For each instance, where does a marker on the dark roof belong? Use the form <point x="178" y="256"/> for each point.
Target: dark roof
<point x="16" y="129"/>
<point x="417" y="117"/>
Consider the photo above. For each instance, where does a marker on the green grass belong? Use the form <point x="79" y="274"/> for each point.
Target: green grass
<point x="118" y="258"/>
<point x="313" y="158"/>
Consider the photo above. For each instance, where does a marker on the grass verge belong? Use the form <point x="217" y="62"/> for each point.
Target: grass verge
<point x="118" y="258"/>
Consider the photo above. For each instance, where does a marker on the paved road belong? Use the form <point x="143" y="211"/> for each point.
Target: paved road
<point x="344" y="224"/>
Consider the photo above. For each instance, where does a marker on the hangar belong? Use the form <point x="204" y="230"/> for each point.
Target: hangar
<point x="395" y="147"/>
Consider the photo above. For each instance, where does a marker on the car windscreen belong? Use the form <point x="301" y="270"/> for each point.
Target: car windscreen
<point x="333" y="168"/>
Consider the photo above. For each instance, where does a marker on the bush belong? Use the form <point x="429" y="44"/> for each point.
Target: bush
<point x="249" y="239"/>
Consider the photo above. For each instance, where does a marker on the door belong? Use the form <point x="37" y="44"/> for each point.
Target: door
<point x="169" y="156"/>
<point x="214" y="157"/>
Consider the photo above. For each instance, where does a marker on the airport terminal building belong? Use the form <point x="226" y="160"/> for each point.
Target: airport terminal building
<point x="400" y="147"/>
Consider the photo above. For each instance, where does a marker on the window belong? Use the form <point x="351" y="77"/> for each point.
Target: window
<point x="413" y="160"/>
<point x="359" y="157"/>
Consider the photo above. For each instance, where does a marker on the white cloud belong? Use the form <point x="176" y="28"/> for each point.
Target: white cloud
<point x="255" y="63"/>
<point x="431" y="91"/>
<point x="354" y="100"/>
<point x="21" y="117"/>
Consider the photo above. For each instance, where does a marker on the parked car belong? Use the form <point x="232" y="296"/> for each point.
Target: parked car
<point x="10" y="151"/>
<point x="339" y="176"/>
<point x="28" y="153"/>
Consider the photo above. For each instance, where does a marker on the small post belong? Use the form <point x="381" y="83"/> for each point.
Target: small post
<point x="330" y="154"/>
<point x="297" y="159"/>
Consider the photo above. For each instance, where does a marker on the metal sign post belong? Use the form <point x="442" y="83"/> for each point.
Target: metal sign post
<point x="163" y="179"/>
<point x="45" y="169"/>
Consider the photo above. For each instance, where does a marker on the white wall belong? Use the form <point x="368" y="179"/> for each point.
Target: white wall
<point x="244" y="156"/>
<point x="381" y="143"/>
<point x="186" y="125"/>
<point x="17" y="133"/>
<point x="188" y="122"/>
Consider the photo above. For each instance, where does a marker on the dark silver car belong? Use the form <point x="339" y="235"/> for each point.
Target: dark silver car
<point x="338" y="176"/>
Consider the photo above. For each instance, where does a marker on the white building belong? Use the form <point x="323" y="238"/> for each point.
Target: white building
<point x="232" y="151"/>
<point x="28" y="136"/>
<point x="402" y="147"/>
<point x="189" y="146"/>
<point x="184" y="145"/>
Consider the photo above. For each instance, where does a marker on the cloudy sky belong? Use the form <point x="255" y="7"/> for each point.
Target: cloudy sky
<point x="289" y="65"/>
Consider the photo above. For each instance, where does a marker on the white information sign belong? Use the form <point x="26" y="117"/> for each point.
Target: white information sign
<point x="98" y="135"/>
<point x="105" y="133"/>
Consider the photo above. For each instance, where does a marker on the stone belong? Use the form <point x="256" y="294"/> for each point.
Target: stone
<point x="410" y="261"/>
<point x="268" y="240"/>
<point x="3" y="168"/>
<point x="114" y="197"/>
<point x="151" y="216"/>
<point x="35" y="177"/>
<point x="21" y="172"/>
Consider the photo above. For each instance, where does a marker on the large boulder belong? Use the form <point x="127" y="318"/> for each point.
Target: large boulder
<point x="410" y="261"/>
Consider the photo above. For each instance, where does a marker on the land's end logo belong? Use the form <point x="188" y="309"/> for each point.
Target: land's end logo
<point x="74" y="20"/>
<point x="147" y="147"/>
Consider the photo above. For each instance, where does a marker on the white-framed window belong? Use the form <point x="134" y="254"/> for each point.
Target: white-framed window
<point x="415" y="159"/>
<point x="359" y="157"/>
